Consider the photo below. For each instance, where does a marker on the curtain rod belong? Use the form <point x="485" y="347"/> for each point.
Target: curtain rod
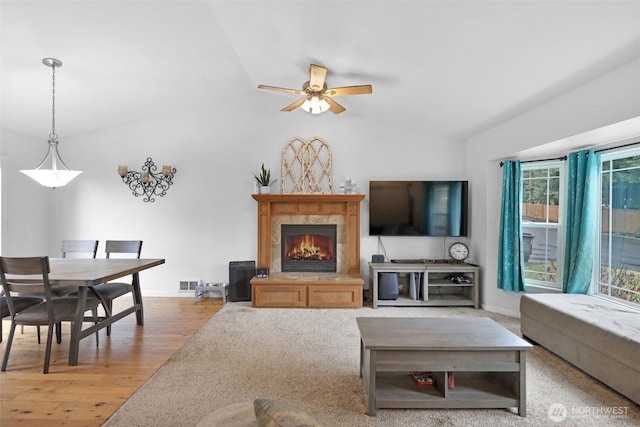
<point x="541" y="160"/>
<point x="619" y="146"/>
<point x="565" y="157"/>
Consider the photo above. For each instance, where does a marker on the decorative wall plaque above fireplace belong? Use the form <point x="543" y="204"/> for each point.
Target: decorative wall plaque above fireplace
<point x="308" y="247"/>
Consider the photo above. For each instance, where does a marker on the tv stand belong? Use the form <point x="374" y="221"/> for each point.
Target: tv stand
<point x="435" y="288"/>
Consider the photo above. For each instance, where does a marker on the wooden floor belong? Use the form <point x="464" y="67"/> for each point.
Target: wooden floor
<point x="87" y="394"/>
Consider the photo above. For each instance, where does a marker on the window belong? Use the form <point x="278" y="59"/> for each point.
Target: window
<point x="619" y="266"/>
<point x="541" y="195"/>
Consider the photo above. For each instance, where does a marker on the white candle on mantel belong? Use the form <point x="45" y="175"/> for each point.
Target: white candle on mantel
<point x="123" y="170"/>
<point x="166" y="170"/>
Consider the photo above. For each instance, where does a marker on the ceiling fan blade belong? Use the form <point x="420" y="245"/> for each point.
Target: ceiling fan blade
<point x="282" y="89"/>
<point x="334" y="106"/>
<point x="317" y="77"/>
<point x="294" y="105"/>
<point x="349" y="90"/>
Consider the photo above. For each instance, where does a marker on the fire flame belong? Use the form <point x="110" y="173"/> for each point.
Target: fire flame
<point x="309" y="247"/>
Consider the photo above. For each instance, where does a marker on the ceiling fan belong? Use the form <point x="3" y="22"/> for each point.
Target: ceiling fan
<point x="316" y="96"/>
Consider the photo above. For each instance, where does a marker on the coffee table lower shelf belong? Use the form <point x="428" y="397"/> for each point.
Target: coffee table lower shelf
<point x="471" y="390"/>
<point x="487" y="362"/>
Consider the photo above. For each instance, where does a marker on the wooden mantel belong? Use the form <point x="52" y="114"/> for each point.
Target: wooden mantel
<point x="347" y="205"/>
<point x="342" y="289"/>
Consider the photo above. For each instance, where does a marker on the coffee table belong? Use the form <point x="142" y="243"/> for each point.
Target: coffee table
<point x="487" y="362"/>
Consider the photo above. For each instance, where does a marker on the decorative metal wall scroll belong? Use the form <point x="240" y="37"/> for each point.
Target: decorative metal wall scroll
<point x="148" y="182"/>
<point x="307" y="166"/>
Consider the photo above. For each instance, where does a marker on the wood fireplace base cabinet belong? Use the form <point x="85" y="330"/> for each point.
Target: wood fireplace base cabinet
<point x="308" y="290"/>
<point x="342" y="289"/>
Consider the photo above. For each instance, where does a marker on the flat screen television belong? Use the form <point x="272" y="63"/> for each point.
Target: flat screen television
<point x="418" y="208"/>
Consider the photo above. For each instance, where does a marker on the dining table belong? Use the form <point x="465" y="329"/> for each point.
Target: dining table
<point x="87" y="272"/>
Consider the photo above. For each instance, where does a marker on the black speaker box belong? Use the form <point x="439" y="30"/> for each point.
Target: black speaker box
<point x="240" y="272"/>
<point x="388" y="286"/>
<point x="377" y="258"/>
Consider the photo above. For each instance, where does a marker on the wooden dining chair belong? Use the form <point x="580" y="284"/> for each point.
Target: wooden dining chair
<point x="75" y="249"/>
<point x="79" y="248"/>
<point x="111" y="290"/>
<point x="30" y="275"/>
<point x="20" y="303"/>
<point x="87" y="248"/>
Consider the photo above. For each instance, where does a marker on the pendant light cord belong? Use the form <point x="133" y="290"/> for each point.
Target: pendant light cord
<point x="53" y="135"/>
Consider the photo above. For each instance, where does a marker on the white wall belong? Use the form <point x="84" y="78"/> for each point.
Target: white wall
<point x="25" y="227"/>
<point x="574" y="120"/>
<point x="208" y="217"/>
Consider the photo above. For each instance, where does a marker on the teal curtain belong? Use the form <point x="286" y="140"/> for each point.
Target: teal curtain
<point x="510" y="257"/>
<point x="581" y="220"/>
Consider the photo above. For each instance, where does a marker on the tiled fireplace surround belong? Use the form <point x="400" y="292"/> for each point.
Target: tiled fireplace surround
<point x="309" y="289"/>
<point x="276" y="238"/>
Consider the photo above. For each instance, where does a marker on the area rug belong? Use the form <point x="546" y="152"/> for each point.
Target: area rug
<point x="309" y="358"/>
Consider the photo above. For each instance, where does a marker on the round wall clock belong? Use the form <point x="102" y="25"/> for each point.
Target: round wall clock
<point x="459" y="251"/>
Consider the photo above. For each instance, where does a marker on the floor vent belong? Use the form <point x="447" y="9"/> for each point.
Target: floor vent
<point x="188" y="285"/>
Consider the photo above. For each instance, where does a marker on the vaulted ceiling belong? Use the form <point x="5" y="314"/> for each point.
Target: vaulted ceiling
<point x="454" y="67"/>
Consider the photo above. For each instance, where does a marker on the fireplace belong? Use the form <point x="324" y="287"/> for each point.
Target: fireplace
<point x="308" y="247"/>
<point x="343" y="210"/>
<point x="340" y="288"/>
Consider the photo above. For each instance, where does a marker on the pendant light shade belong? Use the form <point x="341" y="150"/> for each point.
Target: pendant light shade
<point x="52" y="172"/>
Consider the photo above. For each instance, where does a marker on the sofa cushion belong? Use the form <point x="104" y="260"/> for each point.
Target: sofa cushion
<point x="595" y="322"/>
<point x="270" y="413"/>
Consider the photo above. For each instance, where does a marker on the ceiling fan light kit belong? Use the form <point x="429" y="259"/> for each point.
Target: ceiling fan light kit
<point x="316" y="95"/>
<point x="315" y="105"/>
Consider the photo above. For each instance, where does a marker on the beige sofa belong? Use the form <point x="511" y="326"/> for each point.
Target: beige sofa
<point x="600" y="337"/>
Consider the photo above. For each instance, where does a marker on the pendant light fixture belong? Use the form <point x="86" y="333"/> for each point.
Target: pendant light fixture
<point x="52" y="172"/>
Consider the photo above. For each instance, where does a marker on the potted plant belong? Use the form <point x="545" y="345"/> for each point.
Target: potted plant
<point x="264" y="180"/>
